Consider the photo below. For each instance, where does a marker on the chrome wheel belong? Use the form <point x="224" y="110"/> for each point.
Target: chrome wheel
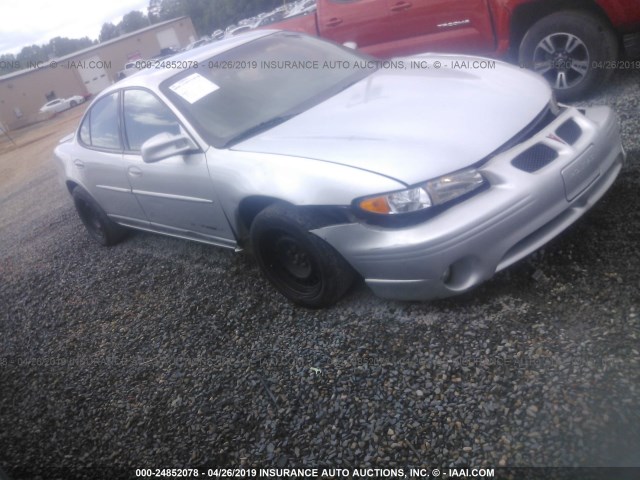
<point x="563" y="59"/>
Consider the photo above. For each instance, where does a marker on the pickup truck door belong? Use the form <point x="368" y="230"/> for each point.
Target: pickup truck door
<point x="365" y="22"/>
<point x="460" y="26"/>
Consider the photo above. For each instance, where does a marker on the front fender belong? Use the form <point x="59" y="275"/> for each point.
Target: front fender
<point x="298" y="181"/>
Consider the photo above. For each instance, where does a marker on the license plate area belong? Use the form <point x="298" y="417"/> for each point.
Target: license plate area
<point x="580" y="173"/>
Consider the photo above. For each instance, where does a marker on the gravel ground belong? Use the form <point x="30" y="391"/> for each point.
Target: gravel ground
<point x="159" y="353"/>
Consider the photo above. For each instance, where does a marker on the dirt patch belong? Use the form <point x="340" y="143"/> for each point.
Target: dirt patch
<point x="32" y="148"/>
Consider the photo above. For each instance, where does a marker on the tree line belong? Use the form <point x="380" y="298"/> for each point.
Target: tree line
<point x="206" y="15"/>
<point x="34" y="54"/>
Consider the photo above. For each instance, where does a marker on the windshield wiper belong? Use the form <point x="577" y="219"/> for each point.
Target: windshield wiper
<point x="260" y="127"/>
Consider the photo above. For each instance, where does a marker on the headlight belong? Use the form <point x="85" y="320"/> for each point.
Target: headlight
<point x="421" y="197"/>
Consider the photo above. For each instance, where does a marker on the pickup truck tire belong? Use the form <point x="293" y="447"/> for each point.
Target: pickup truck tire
<point x="100" y="227"/>
<point x="570" y="49"/>
<point x="302" y="266"/>
<point x="73" y="103"/>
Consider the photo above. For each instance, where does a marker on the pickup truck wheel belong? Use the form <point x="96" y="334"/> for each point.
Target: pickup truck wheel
<point x="73" y="103"/>
<point x="101" y="228"/>
<point x="302" y="266"/>
<point x="569" y="49"/>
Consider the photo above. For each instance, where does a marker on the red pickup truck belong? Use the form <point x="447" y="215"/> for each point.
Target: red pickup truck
<point x="575" y="44"/>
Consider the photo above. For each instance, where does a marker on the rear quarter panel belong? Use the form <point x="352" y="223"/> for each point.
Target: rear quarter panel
<point x="62" y="155"/>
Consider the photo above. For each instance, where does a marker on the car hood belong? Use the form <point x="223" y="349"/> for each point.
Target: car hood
<point x="414" y="124"/>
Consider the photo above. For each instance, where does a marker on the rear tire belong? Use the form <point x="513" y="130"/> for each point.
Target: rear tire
<point x="302" y="266"/>
<point x="100" y="227"/>
<point x="570" y="49"/>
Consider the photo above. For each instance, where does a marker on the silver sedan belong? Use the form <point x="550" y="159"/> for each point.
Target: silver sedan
<point x="422" y="175"/>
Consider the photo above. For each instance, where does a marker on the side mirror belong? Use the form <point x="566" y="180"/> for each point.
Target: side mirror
<point x="351" y="45"/>
<point x="165" y="145"/>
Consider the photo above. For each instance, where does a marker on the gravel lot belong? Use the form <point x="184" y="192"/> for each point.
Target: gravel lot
<point x="160" y="353"/>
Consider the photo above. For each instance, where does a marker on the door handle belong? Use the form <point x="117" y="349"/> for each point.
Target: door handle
<point x="78" y="163"/>
<point x="334" y="22"/>
<point x="400" y="6"/>
<point x="135" y="172"/>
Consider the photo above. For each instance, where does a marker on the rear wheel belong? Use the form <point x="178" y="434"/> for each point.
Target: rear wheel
<point x="73" y="103"/>
<point x="302" y="266"/>
<point x="569" y="49"/>
<point x="101" y="228"/>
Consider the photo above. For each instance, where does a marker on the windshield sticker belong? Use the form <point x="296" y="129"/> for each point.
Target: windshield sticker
<point x="194" y="87"/>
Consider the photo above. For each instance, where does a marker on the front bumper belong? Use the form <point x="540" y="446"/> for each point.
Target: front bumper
<point x="519" y="213"/>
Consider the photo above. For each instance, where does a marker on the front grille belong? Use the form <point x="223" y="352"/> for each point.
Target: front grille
<point x="569" y="131"/>
<point x="534" y="158"/>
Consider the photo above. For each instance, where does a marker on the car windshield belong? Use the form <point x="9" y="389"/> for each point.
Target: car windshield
<point x="259" y="84"/>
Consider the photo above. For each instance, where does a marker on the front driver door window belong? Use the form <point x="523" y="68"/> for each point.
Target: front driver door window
<point x="144" y="117"/>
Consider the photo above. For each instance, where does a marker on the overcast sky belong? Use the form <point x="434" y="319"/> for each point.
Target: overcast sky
<point x="25" y="22"/>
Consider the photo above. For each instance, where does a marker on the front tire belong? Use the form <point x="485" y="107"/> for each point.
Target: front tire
<point x="568" y="49"/>
<point x="302" y="266"/>
<point x="100" y="227"/>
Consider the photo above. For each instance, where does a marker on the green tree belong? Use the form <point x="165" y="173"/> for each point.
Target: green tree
<point x="169" y="9"/>
<point x="33" y="54"/>
<point x="60" y="46"/>
<point x="8" y="63"/>
<point x="132" y="21"/>
<point x="108" y="32"/>
<point x="153" y="10"/>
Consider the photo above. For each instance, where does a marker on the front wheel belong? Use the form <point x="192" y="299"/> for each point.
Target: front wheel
<point x="302" y="266"/>
<point x="569" y="49"/>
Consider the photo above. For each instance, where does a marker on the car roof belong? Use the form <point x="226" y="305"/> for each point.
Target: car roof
<point x="152" y="77"/>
